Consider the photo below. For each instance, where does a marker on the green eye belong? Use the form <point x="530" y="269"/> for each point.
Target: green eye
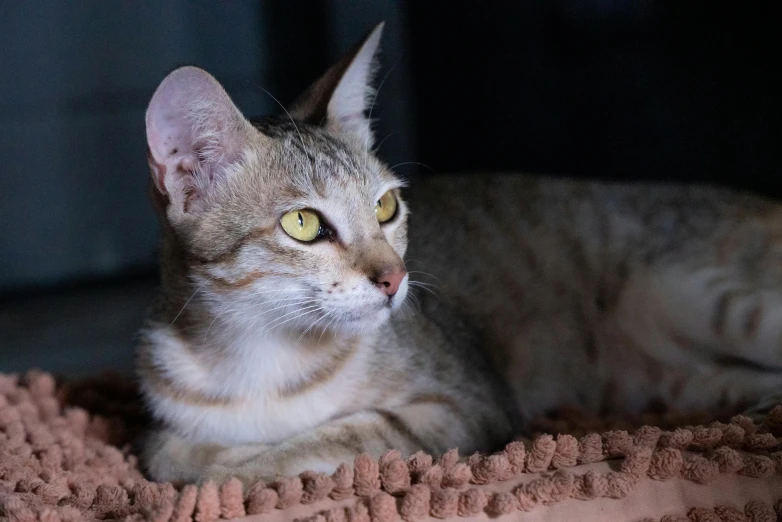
<point x="303" y="225"/>
<point x="385" y="208"/>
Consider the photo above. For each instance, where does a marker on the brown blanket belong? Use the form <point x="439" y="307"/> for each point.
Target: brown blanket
<point x="65" y="455"/>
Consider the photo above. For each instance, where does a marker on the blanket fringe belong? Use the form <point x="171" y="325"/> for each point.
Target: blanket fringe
<point x="56" y="466"/>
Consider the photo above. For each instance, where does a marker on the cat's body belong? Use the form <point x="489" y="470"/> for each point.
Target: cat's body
<point x="609" y="296"/>
<point x="274" y="351"/>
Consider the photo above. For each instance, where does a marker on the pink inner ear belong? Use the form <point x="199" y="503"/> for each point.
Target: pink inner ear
<point x="187" y="104"/>
<point x="192" y="127"/>
<point x="168" y="137"/>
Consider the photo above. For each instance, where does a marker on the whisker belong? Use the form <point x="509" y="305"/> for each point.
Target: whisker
<point x="190" y="299"/>
<point x="277" y="301"/>
<point x="325" y="330"/>
<point x="421" y="283"/>
<point x="218" y="314"/>
<point x="404" y="309"/>
<point x="425" y="288"/>
<point x="286" y="306"/>
<point x="288" y="300"/>
<point x="228" y="305"/>
<point x="312" y="325"/>
<point x="286" y="112"/>
<point x="377" y="147"/>
<point x="293" y="296"/>
<point x="414" y="163"/>
<point x="281" y="291"/>
<point x="424" y="273"/>
<point x="268" y="326"/>
<point x="417" y="302"/>
<point x="291" y="319"/>
<point x="278" y="290"/>
<point x="297" y="309"/>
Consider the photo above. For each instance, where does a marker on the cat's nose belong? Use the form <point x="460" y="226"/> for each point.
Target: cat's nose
<point x="389" y="281"/>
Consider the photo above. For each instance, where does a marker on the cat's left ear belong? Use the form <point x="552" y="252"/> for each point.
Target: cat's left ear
<point x="341" y="97"/>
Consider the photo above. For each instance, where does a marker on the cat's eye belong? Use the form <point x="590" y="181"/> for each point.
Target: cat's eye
<point x="385" y="208"/>
<point x="303" y="225"/>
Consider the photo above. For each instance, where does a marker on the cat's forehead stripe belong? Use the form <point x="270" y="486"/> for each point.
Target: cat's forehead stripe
<point x="314" y="139"/>
<point x="319" y="153"/>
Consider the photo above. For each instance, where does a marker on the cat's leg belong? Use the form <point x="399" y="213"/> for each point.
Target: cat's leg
<point x="432" y="427"/>
<point x="715" y="312"/>
<point x="170" y="457"/>
<point x="710" y="333"/>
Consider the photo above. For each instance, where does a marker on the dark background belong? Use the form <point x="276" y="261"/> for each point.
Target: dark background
<point x="686" y="91"/>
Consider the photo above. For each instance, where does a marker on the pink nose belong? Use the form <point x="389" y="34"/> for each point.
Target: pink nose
<point x="389" y="281"/>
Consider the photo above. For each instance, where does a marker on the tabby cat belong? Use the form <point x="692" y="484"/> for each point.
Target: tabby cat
<point x="309" y="312"/>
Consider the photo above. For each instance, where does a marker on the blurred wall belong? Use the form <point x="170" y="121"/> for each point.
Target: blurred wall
<point x="650" y="89"/>
<point x="626" y="90"/>
<point x="76" y="78"/>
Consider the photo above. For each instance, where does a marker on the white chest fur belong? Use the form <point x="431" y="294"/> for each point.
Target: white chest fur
<point x="234" y="397"/>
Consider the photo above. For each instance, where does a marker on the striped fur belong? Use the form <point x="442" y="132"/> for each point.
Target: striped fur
<point x="266" y="356"/>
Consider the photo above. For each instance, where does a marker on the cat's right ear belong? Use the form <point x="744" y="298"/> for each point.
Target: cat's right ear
<point x="340" y="98"/>
<point x="194" y="134"/>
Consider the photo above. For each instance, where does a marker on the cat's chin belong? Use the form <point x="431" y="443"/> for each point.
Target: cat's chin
<point x="364" y="322"/>
<point x="358" y="320"/>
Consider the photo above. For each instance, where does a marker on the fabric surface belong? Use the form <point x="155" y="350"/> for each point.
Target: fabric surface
<point x="65" y="455"/>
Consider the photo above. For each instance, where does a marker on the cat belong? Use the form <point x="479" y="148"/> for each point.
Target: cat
<point x="292" y="333"/>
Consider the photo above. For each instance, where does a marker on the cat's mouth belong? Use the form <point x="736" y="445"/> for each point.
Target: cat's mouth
<point x="368" y="311"/>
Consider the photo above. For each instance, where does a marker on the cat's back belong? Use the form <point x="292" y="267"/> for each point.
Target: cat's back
<point x="494" y="236"/>
<point x="489" y="233"/>
<point x="536" y="264"/>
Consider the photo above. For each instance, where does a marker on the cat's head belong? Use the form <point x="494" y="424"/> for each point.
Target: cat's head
<point x="287" y="224"/>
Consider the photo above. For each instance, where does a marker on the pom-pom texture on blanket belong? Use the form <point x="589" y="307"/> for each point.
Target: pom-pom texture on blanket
<point x="65" y="456"/>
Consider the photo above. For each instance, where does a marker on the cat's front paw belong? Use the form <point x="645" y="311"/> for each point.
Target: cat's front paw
<point x="219" y="474"/>
<point x="269" y="466"/>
